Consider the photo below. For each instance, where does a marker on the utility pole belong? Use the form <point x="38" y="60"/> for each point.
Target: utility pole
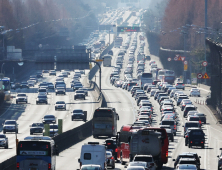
<point x="205" y="35"/>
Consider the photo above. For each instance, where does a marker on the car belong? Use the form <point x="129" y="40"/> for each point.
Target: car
<point x="34" y="79"/>
<point x="111" y="146"/>
<point x="191" y="161"/>
<point x="143" y="164"/>
<point x="53" y="130"/>
<point x="172" y="123"/>
<point x="169" y="132"/>
<point x="79" y="94"/>
<point x="180" y="97"/>
<point x="50" y="86"/>
<point x="60" y="105"/>
<point x="3" y="141"/>
<point x="42" y="91"/>
<point x="45" y="71"/>
<point x="184" y="102"/>
<point x="42" y="99"/>
<point x="202" y="117"/>
<point x="146" y="158"/>
<point x="195" y="92"/>
<point x="188" y="108"/>
<point x="24" y="84"/>
<point x="65" y="74"/>
<point x="39" y="74"/>
<point x="15" y="85"/>
<point x="187" y="167"/>
<point x="10" y="126"/>
<point x="82" y="71"/>
<point x="194" y="137"/>
<point x="187" y="155"/>
<point x="43" y="85"/>
<point x="31" y="83"/>
<point x="110" y="159"/>
<point x="85" y="90"/>
<point x="60" y="90"/>
<point x="180" y="86"/>
<point x="136" y="168"/>
<point x="49" y="119"/>
<point x="79" y="114"/>
<point x="194" y="124"/>
<point x="77" y="86"/>
<point x="91" y="167"/>
<point x="52" y="72"/>
<point x="36" y="128"/>
<point x="21" y="97"/>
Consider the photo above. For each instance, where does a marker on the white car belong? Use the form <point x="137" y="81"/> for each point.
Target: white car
<point x="195" y="92"/>
<point x="60" y="105"/>
<point x="91" y="167"/>
<point x="136" y="168"/>
<point x="21" y="97"/>
<point x="3" y="141"/>
<point x="152" y="62"/>
<point x="144" y="164"/>
<point x="187" y="167"/>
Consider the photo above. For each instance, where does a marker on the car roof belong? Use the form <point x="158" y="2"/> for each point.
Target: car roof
<point x="187" y="159"/>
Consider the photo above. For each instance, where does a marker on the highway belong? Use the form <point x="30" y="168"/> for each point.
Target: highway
<point x="127" y="109"/>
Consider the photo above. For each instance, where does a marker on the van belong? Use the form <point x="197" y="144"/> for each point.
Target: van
<point x="93" y="153"/>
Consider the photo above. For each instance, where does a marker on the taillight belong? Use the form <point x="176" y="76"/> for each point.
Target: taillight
<point x="153" y="83"/>
<point x="112" y="158"/>
<point x="174" y="126"/>
<point x="187" y="136"/>
<point x="112" y="127"/>
<point x="166" y="153"/>
<point x="152" y="164"/>
<point x="116" y="150"/>
<point x="49" y="166"/>
<point x="184" y="105"/>
<point x="108" y="143"/>
<point x="201" y="141"/>
<point x="191" y="142"/>
<point x="200" y="121"/>
<point x="17" y="165"/>
<point x="182" y="84"/>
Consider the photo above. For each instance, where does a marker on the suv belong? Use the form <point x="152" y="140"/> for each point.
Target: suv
<point x="79" y="94"/>
<point x="169" y="132"/>
<point x="187" y="155"/>
<point x="194" y="137"/>
<point x="188" y="108"/>
<point x="10" y="126"/>
<point x="52" y="72"/>
<point x="79" y="114"/>
<point x="3" y="141"/>
<point x="24" y="84"/>
<point x="194" y="124"/>
<point x="144" y="97"/>
<point x="146" y="158"/>
<point x="21" y="97"/>
<point x="60" y="105"/>
<point x="180" y="98"/>
<point x="111" y="146"/>
<point x="41" y="99"/>
<point x="36" y="128"/>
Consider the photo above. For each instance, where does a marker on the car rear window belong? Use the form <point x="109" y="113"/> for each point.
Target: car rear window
<point x="187" y="162"/>
<point x="143" y="159"/>
<point x="194" y="119"/>
<point x="191" y="124"/>
<point x="167" y="122"/>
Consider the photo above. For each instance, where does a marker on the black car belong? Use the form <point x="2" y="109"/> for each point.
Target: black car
<point x="187" y="155"/>
<point x="36" y="128"/>
<point x="111" y="146"/>
<point x="147" y="57"/>
<point x="42" y="99"/>
<point x="194" y="137"/>
<point x="39" y="75"/>
<point x="79" y="114"/>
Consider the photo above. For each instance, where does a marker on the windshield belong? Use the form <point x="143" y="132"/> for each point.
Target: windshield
<point x="167" y="122"/>
<point x="49" y="116"/>
<point x="2" y="136"/>
<point x="21" y="95"/>
<point x="10" y="122"/>
<point x="60" y="102"/>
<point x="53" y="127"/>
<point x="42" y="97"/>
<point x="37" y="125"/>
<point x="77" y="111"/>
<point x="103" y="113"/>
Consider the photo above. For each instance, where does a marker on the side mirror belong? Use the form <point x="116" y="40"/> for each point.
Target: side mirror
<point x="218" y="156"/>
<point x="199" y="156"/>
<point x="174" y="160"/>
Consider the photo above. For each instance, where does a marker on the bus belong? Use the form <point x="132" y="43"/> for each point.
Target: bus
<point x="5" y="87"/>
<point x="145" y="78"/>
<point x="118" y="42"/>
<point x="166" y="76"/>
<point x="107" y="59"/>
<point x="36" y="152"/>
<point x="104" y="122"/>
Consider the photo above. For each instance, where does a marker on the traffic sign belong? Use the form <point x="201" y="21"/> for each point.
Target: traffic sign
<point x="206" y="76"/>
<point x="176" y="58"/>
<point x="204" y="63"/>
<point x="199" y="76"/>
<point x="169" y="59"/>
<point x="183" y="58"/>
<point x="179" y="58"/>
<point x="185" y="62"/>
<point x="185" y="67"/>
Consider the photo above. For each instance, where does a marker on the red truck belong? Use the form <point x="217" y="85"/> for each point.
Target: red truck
<point x="135" y="140"/>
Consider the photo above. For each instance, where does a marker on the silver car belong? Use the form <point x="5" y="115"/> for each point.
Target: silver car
<point x="110" y="159"/>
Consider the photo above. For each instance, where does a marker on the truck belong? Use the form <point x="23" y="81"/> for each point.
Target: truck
<point x="132" y="140"/>
<point x="145" y="78"/>
<point x="107" y="59"/>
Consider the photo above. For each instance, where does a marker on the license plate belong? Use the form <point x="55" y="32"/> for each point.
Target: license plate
<point x="196" y="142"/>
<point x="33" y="169"/>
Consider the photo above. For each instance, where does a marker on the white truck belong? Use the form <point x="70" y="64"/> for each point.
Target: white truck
<point x="93" y="153"/>
<point x="107" y="59"/>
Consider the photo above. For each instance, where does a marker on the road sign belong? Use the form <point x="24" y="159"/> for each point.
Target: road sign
<point x="204" y="63"/>
<point x="185" y="62"/>
<point x="199" y="76"/>
<point x="169" y="59"/>
<point x="176" y="58"/>
<point x="128" y="29"/>
<point x="183" y="58"/>
<point x="185" y="67"/>
<point x="206" y="76"/>
<point x="179" y="58"/>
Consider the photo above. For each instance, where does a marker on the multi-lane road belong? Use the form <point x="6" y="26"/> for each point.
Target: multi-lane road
<point x="126" y="108"/>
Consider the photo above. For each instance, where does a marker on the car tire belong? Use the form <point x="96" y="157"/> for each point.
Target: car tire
<point x="55" y="109"/>
<point x="172" y="140"/>
<point x="202" y="146"/>
<point x="175" y="133"/>
<point x="6" y="147"/>
<point x="74" y="98"/>
<point x="56" y="94"/>
<point x="94" y="136"/>
<point x="46" y="103"/>
<point x="65" y="109"/>
<point x="31" y="133"/>
<point x="113" y="167"/>
<point x="26" y="102"/>
<point x="198" y="95"/>
<point x="36" y="103"/>
<point x="84" y="98"/>
<point x="185" y="144"/>
<point x="16" y="131"/>
<point x="16" y="102"/>
<point x="189" y="145"/>
<point x="4" y="131"/>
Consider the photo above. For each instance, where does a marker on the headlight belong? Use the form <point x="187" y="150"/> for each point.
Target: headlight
<point x="3" y="141"/>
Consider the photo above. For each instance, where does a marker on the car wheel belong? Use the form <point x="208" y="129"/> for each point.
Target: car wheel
<point x="16" y="102"/>
<point x="55" y="109"/>
<point x="202" y="146"/>
<point x="198" y="95"/>
<point x="6" y="147"/>
<point x="94" y="136"/>
<point x="185" y="144"/>
<point x="84" y="98"/>
<point x="175" y="133"/>
<point x="113" y="167"/>
<point x="37" y="103"/>
<point x="74" y="98"/>
<point x="56" y="94"/>
<point x="172" y="139"/>
<point x="26" y="102"/>
<point x="189" y="145"/>
<point x="16" y="131"/>
<point x="31" y="133"/>
<point x="65" y="109"/>
<point x="46" y="102"/>
<point x="4" y="131"/>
